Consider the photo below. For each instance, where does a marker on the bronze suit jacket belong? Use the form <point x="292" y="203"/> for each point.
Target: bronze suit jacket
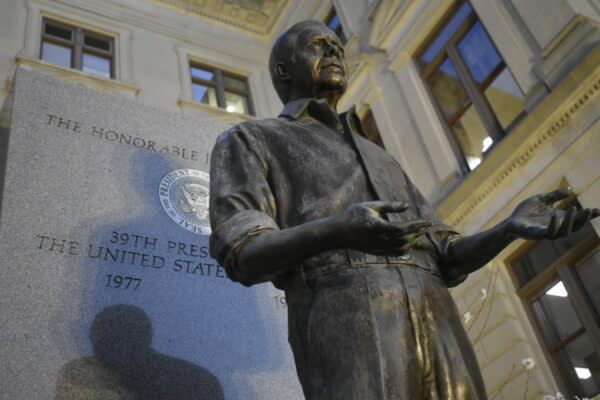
<point x="310" y="163"/>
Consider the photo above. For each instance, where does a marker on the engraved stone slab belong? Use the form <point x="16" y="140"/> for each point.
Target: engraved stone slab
<point x="108" y="290"/>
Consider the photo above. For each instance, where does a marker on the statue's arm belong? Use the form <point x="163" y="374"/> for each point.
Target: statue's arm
<point x="470" y="253"/>
<point x="361" y="227"/>
<point x="535" y="218"/>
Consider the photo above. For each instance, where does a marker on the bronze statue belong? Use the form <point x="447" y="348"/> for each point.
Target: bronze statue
<point x="304" y="201"/>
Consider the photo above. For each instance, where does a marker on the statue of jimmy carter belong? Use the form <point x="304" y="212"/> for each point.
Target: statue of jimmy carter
<point x="304" y="201"/>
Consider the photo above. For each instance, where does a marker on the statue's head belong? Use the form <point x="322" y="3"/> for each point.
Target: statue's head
<point x="307" y="60"/>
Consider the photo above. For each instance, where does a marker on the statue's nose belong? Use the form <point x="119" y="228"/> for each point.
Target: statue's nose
<point x="332" y="50"/>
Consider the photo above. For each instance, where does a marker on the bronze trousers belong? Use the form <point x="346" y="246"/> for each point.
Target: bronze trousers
<point x="380" y="333"/>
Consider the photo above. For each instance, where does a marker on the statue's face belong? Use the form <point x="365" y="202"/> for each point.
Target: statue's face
<point x="320" y="61"/>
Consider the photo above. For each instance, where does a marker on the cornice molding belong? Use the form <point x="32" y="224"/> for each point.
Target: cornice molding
<point x="255" y="16"/>
<point x="214" y="113"/>
<point x="401" y="26"/>
<point x="546" y="123"/>
<point x="102" y="84"/>
<point x="386" y="21"/>
<point x="184" y="27"/>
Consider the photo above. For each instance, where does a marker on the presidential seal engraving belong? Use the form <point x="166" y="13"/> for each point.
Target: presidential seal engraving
<point x="183" y="194"/>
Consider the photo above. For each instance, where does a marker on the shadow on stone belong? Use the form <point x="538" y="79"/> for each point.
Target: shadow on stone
<point x="125" y="366"/>
<point x="5" y="118"/>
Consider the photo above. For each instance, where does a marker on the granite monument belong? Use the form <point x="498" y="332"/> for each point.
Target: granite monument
<point x="108" y="289"/>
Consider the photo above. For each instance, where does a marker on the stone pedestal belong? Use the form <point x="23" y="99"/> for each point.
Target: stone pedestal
<point x="108" y="290"/>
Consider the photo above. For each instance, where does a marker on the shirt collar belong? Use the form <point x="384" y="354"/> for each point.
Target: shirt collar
<point x="295" y="108"/>
<point x="318" y="109"/>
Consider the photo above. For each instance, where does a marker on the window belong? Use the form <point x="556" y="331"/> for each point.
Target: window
<point x="334" y="23"/>
<point x="474" y="90"/>
<point x="221" y="89"/>
<point x="77" y="48"/>
<point x="560" y="284"/>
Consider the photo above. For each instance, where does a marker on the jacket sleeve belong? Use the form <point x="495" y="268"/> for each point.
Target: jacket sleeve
<point x="241" y="203"/>
<point x="440" y="234"/>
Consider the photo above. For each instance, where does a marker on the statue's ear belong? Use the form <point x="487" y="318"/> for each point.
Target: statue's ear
<point x="282" y="71"/>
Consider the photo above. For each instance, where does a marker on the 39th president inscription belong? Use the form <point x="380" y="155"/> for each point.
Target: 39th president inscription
<point x="135" y="253"/>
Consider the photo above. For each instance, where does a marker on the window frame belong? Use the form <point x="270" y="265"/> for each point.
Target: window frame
<point x="474" y="90"/>
<point x="562" y="269"/>
<point x="78" y="46"/>
<point x="219" y="86"/>
<point x="340" y="28"/>
<point x="370" y="128"/>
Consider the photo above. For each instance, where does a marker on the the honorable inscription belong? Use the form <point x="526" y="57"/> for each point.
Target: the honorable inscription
<point x="184" y="196"/>
<point x="97" y="132"/>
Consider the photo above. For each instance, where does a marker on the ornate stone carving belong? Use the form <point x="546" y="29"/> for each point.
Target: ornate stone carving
<point x="385" y="21"/>
<point x="551" y="128"/>
<point x="256" y="16"/>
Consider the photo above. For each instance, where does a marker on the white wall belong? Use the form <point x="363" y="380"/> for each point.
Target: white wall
<point x="147" y="37"/>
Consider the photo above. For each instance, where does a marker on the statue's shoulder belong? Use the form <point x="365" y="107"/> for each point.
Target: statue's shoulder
<point x="260" y="126"/>
<point x="253" y="130"/>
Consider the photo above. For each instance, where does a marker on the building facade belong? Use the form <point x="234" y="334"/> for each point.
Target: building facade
<point x="483" y="102"/>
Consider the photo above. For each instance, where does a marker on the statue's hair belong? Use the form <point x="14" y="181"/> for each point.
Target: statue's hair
<point x="282" y="51"/>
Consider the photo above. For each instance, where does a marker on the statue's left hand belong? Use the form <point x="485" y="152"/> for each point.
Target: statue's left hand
<point x="535" y="218"/>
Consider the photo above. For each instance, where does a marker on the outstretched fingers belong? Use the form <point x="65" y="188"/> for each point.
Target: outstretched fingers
<point x="393" y="238"/>
<point x="553" y="227"/>
<point x="573" y="221"/>
<point x="566" y="225"/>
<point x="384" y="207"/>
<point x="556" y="195"/>
<point x="584" y="216"/>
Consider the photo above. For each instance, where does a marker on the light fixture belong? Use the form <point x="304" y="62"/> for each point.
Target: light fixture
<point x="583" y="373"/>
<point x="473" y="162"/>
<point x="230" y="108"/>
<point x="487" y="142"/>
<point x="558" y="290"/>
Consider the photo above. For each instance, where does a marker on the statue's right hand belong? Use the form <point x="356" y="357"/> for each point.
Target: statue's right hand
<point x="363" y="227"/>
